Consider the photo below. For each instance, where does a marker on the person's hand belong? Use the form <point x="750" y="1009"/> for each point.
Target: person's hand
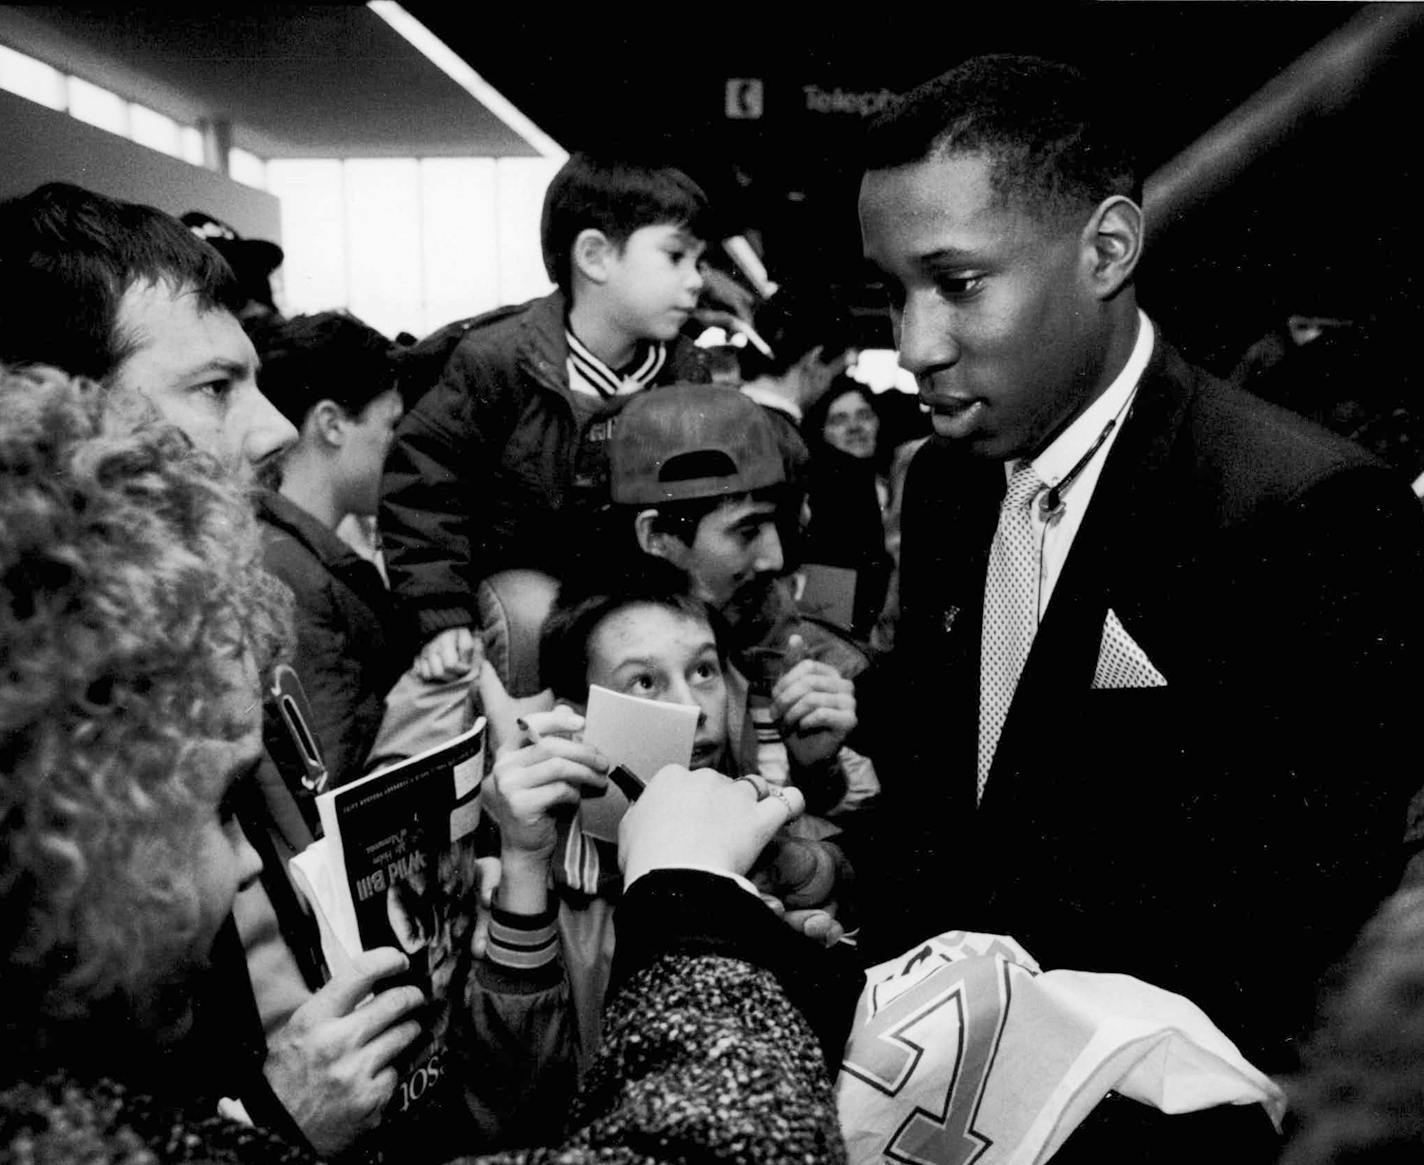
<point x="816" y="375"/>
<point x="815" y="706"/>
<point x="799" y="879"/>
<point x="723" y="299"/>
<point x="330" y="1064"/>
<point x="450" y="654"/>
<point x="535" y="777"/>
<point x="700" y="820"/>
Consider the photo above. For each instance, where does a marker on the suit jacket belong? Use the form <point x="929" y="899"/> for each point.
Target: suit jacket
<point x="1223" y="835"/>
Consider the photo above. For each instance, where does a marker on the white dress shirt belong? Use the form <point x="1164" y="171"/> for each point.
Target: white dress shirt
<point x="1057" y="461"/>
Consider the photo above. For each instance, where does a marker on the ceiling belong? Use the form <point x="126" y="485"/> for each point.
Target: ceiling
<point x="293" y="80"/>
<point x="1324" y="217"/>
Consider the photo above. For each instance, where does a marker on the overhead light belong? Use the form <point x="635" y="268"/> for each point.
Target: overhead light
<point x="444" y="58"/>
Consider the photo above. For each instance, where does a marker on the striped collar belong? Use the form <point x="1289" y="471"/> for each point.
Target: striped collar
<point x="591" y="376"/>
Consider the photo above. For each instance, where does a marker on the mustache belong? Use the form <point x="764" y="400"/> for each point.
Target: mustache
<point x="267" y="473"/>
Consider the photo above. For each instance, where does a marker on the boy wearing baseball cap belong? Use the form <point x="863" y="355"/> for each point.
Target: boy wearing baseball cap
<point x="698" y="479"/>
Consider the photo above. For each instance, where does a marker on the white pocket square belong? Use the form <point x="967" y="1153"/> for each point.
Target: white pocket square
<point x="1121" y="663"/>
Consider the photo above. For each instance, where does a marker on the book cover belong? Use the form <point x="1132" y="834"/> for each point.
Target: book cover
<point x="396" y="867"/>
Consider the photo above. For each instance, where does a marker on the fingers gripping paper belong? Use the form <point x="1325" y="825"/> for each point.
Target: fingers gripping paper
<point x="963" y="1051"/>
<point x="643" y="734"/>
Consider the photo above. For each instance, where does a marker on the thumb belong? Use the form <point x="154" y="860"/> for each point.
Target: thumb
<point x="807" y="873"/>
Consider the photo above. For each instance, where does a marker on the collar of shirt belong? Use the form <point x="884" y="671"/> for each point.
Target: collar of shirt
<point x="1071" y="445"/>
<point x="592" y="377"/>
<point x="1058" y="460"/>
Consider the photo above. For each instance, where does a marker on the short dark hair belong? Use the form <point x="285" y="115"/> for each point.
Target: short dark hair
<point x="616" y="196"/>
<point x="328" y="356"/>
<point x="68" y="255"/>
<point x="681" y="518"/>
<point x="1053" y="141"/>
<point x="605" y="554"/>
<point x="563" y="646"/>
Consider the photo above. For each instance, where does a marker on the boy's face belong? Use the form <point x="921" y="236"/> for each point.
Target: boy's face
<point x="660" y="653"/>
<point x="734" y="555"/>
<point x="653" y="282"/>
<point x="992" y="307"/>
<point x="369" y="435"/>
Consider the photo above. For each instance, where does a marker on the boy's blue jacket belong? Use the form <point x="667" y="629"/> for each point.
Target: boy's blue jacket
<point x="483" y="467"/>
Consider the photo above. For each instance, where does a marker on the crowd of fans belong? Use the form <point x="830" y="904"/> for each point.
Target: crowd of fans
<point x="1196" y="773"/>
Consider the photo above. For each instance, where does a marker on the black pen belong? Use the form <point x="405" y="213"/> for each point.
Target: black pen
<point x="627" y="781"/>
<point x="621" y="775"/>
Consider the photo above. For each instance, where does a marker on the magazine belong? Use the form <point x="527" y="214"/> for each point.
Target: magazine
<point x="396" y="867"/>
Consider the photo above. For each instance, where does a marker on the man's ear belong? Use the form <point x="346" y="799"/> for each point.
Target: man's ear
<point x="592" y="252"/>
<point x="1112" y="244"/>
<point x="650" y="540"/>
<point x="326" y="424"/>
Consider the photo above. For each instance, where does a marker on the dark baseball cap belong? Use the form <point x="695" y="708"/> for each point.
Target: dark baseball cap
<point x="692" y="441"/>
<point x="252" y="260"/>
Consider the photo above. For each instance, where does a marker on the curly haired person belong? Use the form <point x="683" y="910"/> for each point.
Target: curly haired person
<point x="134" y="623"/>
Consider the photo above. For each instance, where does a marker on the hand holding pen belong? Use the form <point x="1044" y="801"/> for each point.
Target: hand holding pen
<point x="541" y="774"/>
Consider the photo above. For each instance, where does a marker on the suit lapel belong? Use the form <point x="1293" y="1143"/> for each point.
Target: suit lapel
<point x="951" y="506"/>
<point x="1121" y="532"/>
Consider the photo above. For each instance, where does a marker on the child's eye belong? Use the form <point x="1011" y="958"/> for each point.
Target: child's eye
<point x="640" y="684"/>
<point x="707" y="670"/>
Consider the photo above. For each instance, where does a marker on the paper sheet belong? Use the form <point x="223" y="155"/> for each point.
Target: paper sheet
<point x="643" y="734"/>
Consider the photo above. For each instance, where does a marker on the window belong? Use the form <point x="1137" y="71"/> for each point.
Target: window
<point x="34" y="80"/>
<point x="246" y="168"/>
<point x="155" y="131"/>
<point x="26" y="77"/>
<point x="190" y="145"/>
<point x="410" y="244"/>
<point x="98" y="106"/>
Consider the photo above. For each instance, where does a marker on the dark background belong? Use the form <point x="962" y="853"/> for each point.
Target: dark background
<point x="1324" y="222"/>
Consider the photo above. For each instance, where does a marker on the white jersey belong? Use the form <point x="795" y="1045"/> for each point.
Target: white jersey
<point x="964" y="1053"/>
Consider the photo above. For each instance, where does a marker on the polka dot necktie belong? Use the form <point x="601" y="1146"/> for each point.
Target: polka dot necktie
<point x="1010" y="611"/>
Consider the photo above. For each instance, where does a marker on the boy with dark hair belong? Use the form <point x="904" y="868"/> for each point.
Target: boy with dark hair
<point x="615" y="197"/>
<point x="512" y="433"/>
<point x="335" y="379"/>
<point x="1145" y="614"/>
<point x="125" y="294"/>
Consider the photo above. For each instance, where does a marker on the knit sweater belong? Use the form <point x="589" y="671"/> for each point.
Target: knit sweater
<point x="704" y="1059"/>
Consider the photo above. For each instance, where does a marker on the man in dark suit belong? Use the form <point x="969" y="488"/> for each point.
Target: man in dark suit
<point x="1169" y="630"/>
